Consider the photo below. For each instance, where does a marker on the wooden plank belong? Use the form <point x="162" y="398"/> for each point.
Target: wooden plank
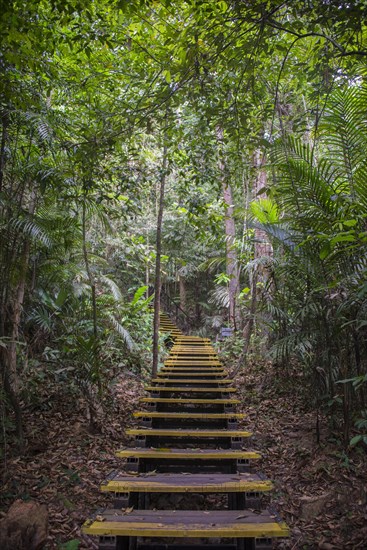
<point x="191" y="352"/>
<point x="178" y="401"/>
<point x="187" y="433"/>
<point x="191" y="362"/>
<point x="188" y="357"/>
<point x="185" y="415"/>
<point x="183" y="483"/>
<point x="192" y="372"/>
<point x="192" y="343"/>
<point x="189" y="454"/>
<point x="200" y="352"/>
<point x="203" y="369"/>
<point x="181" y="524"/>
<point x="192" y="348"/>
<point x="208" y="375"/>
<point x="189" y="381"/>
<point x="186" y="337"/>
<point x="188" y="390"/>
<point x="187" y="367"/>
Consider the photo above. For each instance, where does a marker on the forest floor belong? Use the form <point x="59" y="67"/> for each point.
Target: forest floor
<point x="320" y="490"/>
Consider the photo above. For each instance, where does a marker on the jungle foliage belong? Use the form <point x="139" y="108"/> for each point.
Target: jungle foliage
<point x="100" y="103"/>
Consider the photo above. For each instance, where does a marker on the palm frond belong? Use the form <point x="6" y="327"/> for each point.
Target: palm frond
<point x="116" y="292"/>
<point x="121" y="331"/>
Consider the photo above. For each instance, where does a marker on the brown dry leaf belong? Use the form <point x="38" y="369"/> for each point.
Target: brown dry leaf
<point x="128" y="510"/>
<point x="100" y="518"/>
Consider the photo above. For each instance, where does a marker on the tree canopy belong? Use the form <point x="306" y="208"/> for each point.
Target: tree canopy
<point x="253" y="113"/>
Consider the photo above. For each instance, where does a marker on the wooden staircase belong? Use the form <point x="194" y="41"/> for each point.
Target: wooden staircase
<point x="188" y="445"/>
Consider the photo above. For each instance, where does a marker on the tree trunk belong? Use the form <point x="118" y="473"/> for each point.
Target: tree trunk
<point x="181" y="280"/>
<point x="262" y="247"/>
<point x="157" y="284"/>
<point x="230" y="232"/>
<point x="92" y="285"/>
<point x="4" y="138"/>
<point x="8" y="355"/>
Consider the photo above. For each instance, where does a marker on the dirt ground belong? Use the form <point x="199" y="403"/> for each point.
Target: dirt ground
<point x="320" y="490"/>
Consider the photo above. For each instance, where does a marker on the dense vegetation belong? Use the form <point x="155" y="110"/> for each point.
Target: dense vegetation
<point x="253" y="117"/>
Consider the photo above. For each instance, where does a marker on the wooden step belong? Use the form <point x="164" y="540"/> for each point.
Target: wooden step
<point x="188" y="416"/>
<point x="191" y="341"/>
<point x="187" y="348"/>
<point x="199" y="352"/>
<point x="203" y="369"/>
<point x="193" y="337"/>
<point x="149" y="432"/>
<point x="208" y="375"/>
<point x="185" y="523"/>
<point x="189" y="381"/>
<point x="189" y="389"/>
<point x="196" y="365"/>
<point x="192" y="348"/>
<point x="193" y="362"/>
<point x="183" y="483"/>
<point x="187" y="358"/>
<point x="187" y="454"/>
<point x="185" y="338"/>
<point x="190" y="401"/>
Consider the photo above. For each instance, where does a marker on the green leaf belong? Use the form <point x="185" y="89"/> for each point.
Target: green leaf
<point x="265" y="211"/>
<point x="167" y="75"/>
<point x="245" y="291"/>
<point x="350" y="223"/>
<point x="138" y="294"/>
<point x="343" y="237"/>
<point x="325" y="250"/>
<point x="356" y="439"/>
<point x="70" y="545"/>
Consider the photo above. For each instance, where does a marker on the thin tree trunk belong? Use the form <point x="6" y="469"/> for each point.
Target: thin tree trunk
<point x="182" y="284"/>
<point x="262" y="244"/>
<point x="230" y="232"/>
<point x="94" y="302"/>
<point x="13" y="315"/>
<point x="4" y="138"/>
<point x="92" y="404"/>
<point x="11" y="379"/>
<point x="157" y="284"/>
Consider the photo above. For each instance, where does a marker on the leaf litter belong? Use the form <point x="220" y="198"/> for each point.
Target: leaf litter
<point x="320" y="490"/>
<point x="63" y="465"/>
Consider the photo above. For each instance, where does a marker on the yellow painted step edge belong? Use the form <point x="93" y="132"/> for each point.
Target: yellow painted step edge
<point x="198" y="416"/>
<point x="189" y="401"/>
<point x="188" y="381"/>
<point x="188" y="433"/>
<point x="140" y="529"/>
<point x="194" y="454"/>
<point x="190" y="389"/>
<point x="139" y="486"/>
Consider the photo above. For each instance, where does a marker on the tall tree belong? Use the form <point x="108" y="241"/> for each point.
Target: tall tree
<point x="157" y="280"/>
<point x="230" y="232"/>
